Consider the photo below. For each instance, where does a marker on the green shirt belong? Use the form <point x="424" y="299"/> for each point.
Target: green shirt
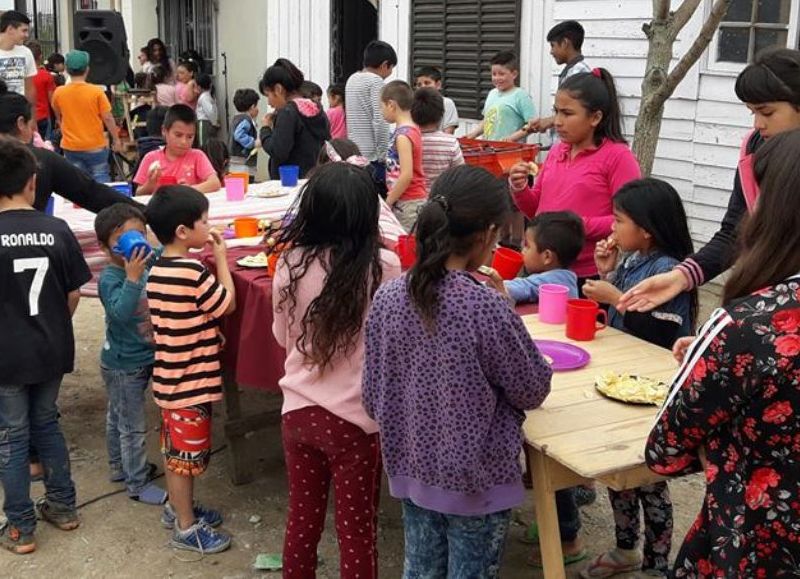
<point x="504" y="113"/>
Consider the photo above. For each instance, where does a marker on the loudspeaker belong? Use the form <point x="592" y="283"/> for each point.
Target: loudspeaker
<point x="101" y="33"/>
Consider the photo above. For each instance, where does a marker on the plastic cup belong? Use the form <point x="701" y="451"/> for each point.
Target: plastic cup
<point x="122" y="187"/>
<point x="129" y="242"/>
<point x="234" y="188"/>
<point x="553" y="303"/>
<point x="582" y="322"/>
<point x="166" y="180"/>
<point x="406" y="249"/>
<point x="289" y="175"/>
<point x="244" y="176"/>
<point x="51" y="205"/>
<point x="245" y="226"/>
<point x="507" y="262"/>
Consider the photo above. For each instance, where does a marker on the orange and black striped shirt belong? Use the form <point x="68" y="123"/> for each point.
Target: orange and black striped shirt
<point x="186" y="302"/>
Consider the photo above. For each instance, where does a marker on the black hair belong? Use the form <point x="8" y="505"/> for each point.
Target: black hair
<point x="205" y="82"/>
<point x="53" y="59"/>
<point x="345" y="148"/>
<point x="36" y="49"/>
<point x="431" y="72"/>
<point x="179" y="113"/>
<point x="146" y="51"/>
<point x="155" y="120"/>
<point x="561" y="232"/>
<point x="568" y="30"/>
<point x="377" y="52"/>
<point x="336" y="224"/>
<point x="428" y="107"/>
<point x="112" y="218"/>
<point x="142" y="80"/>
<point x="172" y="206"/>
<point x="337" y="90"/>
<point x="507" y="59"/>
<point x="189" y="65"/>
<point x="598" y="94"/>
<point x="244" y="98"/>
<point x="159" y="74"/>
<point x="773" y="76"/>
<point x="218" y="154"/>
<point x="17" y="166"/>
<point x="310" y="89"/>
<point x="400" y="92"/>
<point x="12" y="107"/>
<point x="283" y="73"/>
<point x="655" y="206"/>
<point x="195" y="58"/>
<point x="14" y="19"/>
<point x="464" y="202"/>
<point x="164" y="55"/>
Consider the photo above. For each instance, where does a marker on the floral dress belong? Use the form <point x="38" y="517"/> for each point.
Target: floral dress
<point x="737" y="397"/>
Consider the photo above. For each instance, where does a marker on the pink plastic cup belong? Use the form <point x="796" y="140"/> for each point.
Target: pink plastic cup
<point x="234" y="188"/>
<point x="553" y="303"/>
<point x="507" y="262"/>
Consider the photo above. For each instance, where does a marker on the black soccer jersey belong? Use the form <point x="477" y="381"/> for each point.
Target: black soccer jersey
<point x="40" y="263"/>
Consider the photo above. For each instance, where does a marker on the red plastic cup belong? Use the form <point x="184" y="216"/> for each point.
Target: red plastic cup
<point x="507" y="262"/>
<point x="406" y="249"/>
<point x="165" y="180"/>
<point x="582" y="322"/>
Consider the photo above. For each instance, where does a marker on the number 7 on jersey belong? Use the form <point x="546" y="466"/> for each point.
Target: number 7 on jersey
<point x="40" y="264"/>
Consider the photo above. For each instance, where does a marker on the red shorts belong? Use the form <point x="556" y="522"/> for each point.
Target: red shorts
<point x="186" y="439"/>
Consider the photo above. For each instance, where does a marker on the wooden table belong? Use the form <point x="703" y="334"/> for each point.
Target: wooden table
<point x="578" y="435"/>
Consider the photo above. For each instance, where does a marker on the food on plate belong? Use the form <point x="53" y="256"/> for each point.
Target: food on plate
<point x="630" y="388"/>
<point x="547" y="359"/>
<point x="485" y="270"/>
<point x="257" y="260"/>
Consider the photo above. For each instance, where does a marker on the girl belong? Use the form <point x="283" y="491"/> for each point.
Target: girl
<point x="336" y="113"/>
<point x="144" y="60"/>
<point x="296" y="131"/>
<point x="165" y="92"/>
<point x="337" y="150"/>
<point x="770" y="88"/>
<point x="449" y="371"/>
<point x="734" y="407"/>
<point x="218" y="154"/>
<point x="157" y="52"/>
<point x="650" y="230"/>
<point x="185" y="85"/>
<point x="322" y="289"/>
<point x="586" y="167"/>
<point x="207" y="116"/>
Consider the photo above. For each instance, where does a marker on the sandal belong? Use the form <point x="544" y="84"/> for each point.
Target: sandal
<point x="611" y="563"/>
<point x="531" y="536"/>
<point x="535" y="560"/>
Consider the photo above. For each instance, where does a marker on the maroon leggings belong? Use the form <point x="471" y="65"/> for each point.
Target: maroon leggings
<point x="320" y="447"/>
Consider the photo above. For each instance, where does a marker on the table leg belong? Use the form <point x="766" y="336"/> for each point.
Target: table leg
<point x="544" y="500"/>
<point x="240" y="470"/>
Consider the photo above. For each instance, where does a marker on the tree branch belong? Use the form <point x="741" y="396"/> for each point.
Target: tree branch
<point x="682" y="16"/>
<point x="661" y="9"/>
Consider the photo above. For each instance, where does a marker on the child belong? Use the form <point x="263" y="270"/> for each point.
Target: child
<point x="217" y="152"/>
<point x="126" y="361"/>
<point x="185" y="85"/>
<point x="55" y="66"/>
<point x="336" y="112"/>
<point x="405" y="178"/>
<point x="45" y="86"/>
<point x="440" y="150"/>
<point x="431" y="77"/>
<point x="552" y="243"/>
<point x="177" y="159"/>
<point x="366" y="126"/>
<point x="207" y="116"/>
<point x="508" y="107"/>
<point x="244" y="132"/>
<point x="322" y="291"/>
<point x="311" y="91"/>
<point x="144" y="60"/>
<point x="186" y="302"/>
<point x="650" y="230"/>
<point x="449" y="366"/>
<point x="341" y="150"/>
<point x="165" y="92"/>
<point x="42" y="269"/>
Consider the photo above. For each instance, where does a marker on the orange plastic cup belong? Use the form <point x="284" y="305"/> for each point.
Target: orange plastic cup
<point x="245" y="227"/>
<point x="243" y="176"/>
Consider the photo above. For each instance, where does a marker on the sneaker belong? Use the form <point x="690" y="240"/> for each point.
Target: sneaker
<point x="15" y="541"/>
<point x="57" y="514"/>
<point x="203" y="515"/>
<point x="200" y="538"/>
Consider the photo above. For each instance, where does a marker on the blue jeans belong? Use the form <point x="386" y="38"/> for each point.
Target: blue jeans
<point x="442" y="546"/>
<point x="126" y="427"/>
<point x="95" y="163"/>
<point x="29" y="416"/>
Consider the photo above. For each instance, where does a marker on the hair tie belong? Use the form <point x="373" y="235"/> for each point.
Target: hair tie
<point x="331" y="152"/>
<point x="357" y="160"/>
<point x="442" y="202"/>
<point x="596" y="73"/>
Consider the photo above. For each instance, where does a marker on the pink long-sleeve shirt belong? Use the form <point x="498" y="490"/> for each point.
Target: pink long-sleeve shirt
<point x="585" y="185"/>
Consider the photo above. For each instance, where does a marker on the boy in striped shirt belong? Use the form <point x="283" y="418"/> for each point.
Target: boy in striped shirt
<point x="186" y="302"/>
<point x="440" y="150"/>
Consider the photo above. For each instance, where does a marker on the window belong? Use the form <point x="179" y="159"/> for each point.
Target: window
<point x="749" y="27"/>
<point x="44" y="23"/>
<point x="189" y="25"/>
<point x="460" y="37"/>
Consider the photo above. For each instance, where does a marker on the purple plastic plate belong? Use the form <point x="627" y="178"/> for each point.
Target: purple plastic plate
<point x="564" y="356"/>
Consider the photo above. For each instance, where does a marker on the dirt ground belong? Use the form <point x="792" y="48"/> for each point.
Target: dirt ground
<point x="119" y="538"/>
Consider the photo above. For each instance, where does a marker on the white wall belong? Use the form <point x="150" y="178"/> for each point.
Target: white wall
<point x="141" y="24"/>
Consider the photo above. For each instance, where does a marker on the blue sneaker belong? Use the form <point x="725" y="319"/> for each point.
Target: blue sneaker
<point x="203" y="515"/>
<point x="200" y="538"/>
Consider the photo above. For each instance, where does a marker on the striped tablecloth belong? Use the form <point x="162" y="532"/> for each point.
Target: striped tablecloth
<point x="221" y="212"/>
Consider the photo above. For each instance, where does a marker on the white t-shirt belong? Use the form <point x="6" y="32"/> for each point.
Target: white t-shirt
<point x="450" y="117"/>
<point x="16" y="65"/>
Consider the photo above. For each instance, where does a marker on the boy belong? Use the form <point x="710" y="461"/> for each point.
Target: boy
<point x="440" y="150"/>
<point x="244" y="139"/>
<point x="552" y="243"/>
<point x="566" y="40"/>
<point x="41" y="272"/>
<point x="366" y="126"/>
<point x="186" y="303"/>
<point x="82" y="109"/>
<point x="17" y="65"/>
<point x="508" y="107"/>
<point x="405" y="179"/>
<point x="126" y="361"/>
<point x="177" y="160"/>
<point x="45" y="86"/>
<point x="56" y="67"/>
<point x="430" y="77"/>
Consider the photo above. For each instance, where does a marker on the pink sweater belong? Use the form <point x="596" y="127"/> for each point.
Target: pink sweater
<point x="338" y="390"/>
<point x="585" y="185"/>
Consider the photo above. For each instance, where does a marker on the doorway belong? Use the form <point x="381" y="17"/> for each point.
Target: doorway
<point x="354" y="24"/>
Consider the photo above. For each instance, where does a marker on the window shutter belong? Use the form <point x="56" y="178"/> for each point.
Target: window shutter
<point x="460" y="37"/>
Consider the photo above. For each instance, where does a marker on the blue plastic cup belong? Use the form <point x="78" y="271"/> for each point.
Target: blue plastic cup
<point x="51" y="205"/>
<point x="122" y="187"/>
<point x="289" y="175"/>
<point x="129" y="242"/>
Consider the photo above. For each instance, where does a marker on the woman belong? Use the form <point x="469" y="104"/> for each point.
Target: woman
<point x="157" y="52"/>
<point x="735" y="403"/>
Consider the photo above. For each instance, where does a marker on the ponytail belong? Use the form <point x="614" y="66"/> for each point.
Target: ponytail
<point x="12" y="107"/>
<point x="284" y="73"/>
<point x="596" y="92"/>
<point x="464" y="202"/>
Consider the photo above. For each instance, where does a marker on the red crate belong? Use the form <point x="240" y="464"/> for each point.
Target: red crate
<point x="497" y="157"/>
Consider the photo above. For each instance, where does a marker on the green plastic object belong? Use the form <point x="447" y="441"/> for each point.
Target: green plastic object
<point x="268" y="562"/>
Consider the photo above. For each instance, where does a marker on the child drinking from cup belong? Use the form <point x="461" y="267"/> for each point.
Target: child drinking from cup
<point x="322" y="289"/>
<point x="650" y="230"/>
<point x="449" y="371"/>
